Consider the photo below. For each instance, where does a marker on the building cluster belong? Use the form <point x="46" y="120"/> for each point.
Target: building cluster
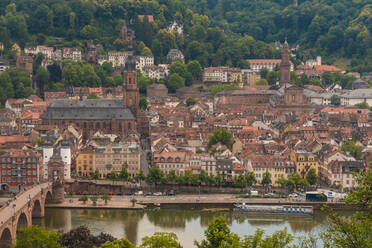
<point x="81" y="135"/>
<point x="280" y="129"/>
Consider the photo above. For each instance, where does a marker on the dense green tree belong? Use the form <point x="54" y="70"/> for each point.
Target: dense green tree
<point x="354" y="149"/>
<point x="119" y="243"/>
<point x="191" y="101"/>
<point x="161" y="240"/>
<point x="250" y="178"/>
<point x="363" y="105"/>
<point x="143" y="103"/>
<point x="155" y="175"/>
<point x="294" y="181"/>
<point x="95" y="175"/>
<point x="262" y="81"/>
<point x="218" y="234"/>
<point x="172" y="177"/>
<point x="55" y="73"/>
<point x="112" y="175"/>
<point x="82" y="237"/>
<point x="35" y="236"/>
<point x="222" y="136"/>
<point x="195" y="69"/>
<point x="335" y="100"/>
<point x="124" y="175"/>
<point x="240" y="181"/>
<point x="181" y="69"/>
<point x="354" y="230"/>
<point x="140" y="176"/>
<point x="266" y="179"/>
<point x="218" y="179"/>
<point x="175" y="82"/>
<point x="312" y="177"/>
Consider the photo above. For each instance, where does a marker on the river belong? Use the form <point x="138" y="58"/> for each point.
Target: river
<point x="189" y="225"/>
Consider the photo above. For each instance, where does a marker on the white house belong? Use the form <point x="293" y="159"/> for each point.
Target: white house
<point x="357" y="96"/>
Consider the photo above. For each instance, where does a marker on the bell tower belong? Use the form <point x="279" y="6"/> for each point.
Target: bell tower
<point x="131" y="92"/>
<point x="285" y="65"/>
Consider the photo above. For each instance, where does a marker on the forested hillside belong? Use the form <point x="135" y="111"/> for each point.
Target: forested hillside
<point x="33" y="22"/>
<point x="217" y="32"/>
<point x="334" y="29"/>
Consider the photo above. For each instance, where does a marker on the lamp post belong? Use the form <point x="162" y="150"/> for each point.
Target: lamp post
<point x="13" y="206"/>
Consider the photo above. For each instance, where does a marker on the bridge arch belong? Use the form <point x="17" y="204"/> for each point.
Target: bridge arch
<point x="6" y="238"/>
<point x="48" y="197"/>
<point x="22" y="221"/>
<point x="37" y="211"/>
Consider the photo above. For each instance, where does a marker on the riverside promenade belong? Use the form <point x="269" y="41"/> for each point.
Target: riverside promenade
<point x="189" y="201"/>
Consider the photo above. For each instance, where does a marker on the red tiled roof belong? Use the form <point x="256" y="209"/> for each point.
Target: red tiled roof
<point x="14" y="139"/>
<point x="326" y="68"/>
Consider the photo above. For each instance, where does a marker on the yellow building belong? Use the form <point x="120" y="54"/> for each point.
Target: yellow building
<point x="85" y="162"/>
<point x="304" y="162"/>
<point x="277" y="166"/>
<point x="235" y="75"/>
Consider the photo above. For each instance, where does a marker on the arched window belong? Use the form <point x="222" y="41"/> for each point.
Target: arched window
<point x="129" y="126"/>
<point x="85" y="125"/>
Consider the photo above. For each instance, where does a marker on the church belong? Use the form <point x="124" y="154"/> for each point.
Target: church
<point x="108" y="116"/>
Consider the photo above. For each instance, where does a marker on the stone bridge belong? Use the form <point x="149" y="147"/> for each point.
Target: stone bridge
<point x="19" y="211"/>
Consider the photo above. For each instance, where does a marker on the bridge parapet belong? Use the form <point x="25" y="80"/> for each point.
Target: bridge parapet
<point x="18" y="212"/>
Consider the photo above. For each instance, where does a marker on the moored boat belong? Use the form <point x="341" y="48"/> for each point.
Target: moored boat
<point x="274" y="209"/>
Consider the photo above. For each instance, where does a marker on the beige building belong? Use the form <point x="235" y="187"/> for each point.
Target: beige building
<point x="113" y="156"/>
<point x="144" y="61"/>
<point x="177" y="161"/>
<point x="250" y="77"/>
<point x="222" y="74"/>
<point x="117" y="59"/>
<point x="270" y="64"/>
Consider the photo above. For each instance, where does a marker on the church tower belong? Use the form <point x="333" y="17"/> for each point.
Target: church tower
<point x="285" y="65"/>
<point x="131" y="93"/>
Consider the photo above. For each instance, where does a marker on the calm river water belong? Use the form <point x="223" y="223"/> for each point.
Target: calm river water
<point x="189" y="225"/>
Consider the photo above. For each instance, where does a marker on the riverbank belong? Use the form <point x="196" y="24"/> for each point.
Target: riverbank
<point x="74" y="203"/>
<point x="193" y="202"/>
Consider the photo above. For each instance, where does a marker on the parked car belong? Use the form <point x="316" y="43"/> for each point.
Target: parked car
<point x="139" y="193"/>
<point x="293" y="195"/>
<point x="119" y="193"/>
<point x="128" y="193"/>
<point x="171" y="193"/>
<point x="148" y="194"/>
<point x="157" y="194"/>
<point x="268" y="195"/>
<point x="111" y="193"/>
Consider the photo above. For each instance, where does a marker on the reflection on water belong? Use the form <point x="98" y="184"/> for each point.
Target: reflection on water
<point x="189" y="225"/>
